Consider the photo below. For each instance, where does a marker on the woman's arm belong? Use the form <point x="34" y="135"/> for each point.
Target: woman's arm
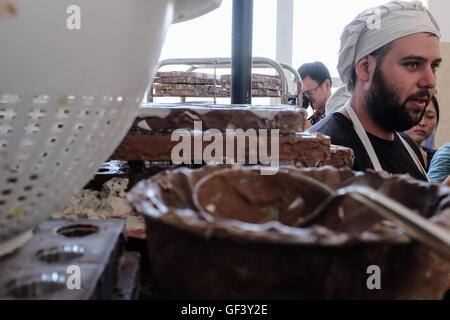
<point x="440" y="165"/>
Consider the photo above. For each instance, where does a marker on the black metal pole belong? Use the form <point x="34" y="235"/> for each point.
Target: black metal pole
<point x="241" y="55"/>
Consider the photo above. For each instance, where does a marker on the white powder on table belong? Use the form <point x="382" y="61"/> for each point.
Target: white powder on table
<point x="109" y="202"/>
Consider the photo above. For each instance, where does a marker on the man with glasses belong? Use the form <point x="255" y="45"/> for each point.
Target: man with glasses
<point x="389" y="69"/>
<point x="316" y="87"/>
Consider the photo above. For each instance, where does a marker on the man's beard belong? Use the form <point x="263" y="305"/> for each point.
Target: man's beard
<point x="385" y="110"/>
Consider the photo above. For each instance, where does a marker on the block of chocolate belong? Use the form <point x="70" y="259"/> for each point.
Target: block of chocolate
<point x="262" y="85"/>
<point x="185" y="84"/>
<point x="239" y="132"/>
<point x="308" y="149"/>
<point x="256" y="78"/>
<point x="340" y="157"/>
<point x="168" y="117"/>
<point x="185" y="77"/>
<point x="256" y="85"/>
<point x="187" y="91"/>
<point x="258" y="92"/>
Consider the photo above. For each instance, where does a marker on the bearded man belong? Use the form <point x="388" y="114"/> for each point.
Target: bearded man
<point x="389" y="69"/>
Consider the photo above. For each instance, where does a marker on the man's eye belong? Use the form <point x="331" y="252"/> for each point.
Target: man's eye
<point x="412" y="65"/>
<point x="434" y="67"/>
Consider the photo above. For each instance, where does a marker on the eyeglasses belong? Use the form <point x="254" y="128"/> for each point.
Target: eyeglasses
<point x="309" y="93"/>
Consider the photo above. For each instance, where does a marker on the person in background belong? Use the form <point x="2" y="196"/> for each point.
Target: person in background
<point x="390" y="72"/>
<point x="425" y="129"/>
<point x="439" y="170"/>
<point x="337" y="100"/>
<point x="316" y="87"/>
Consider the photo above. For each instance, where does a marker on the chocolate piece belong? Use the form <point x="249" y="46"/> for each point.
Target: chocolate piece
<point x="155" y="143"/>
<point x="181" y="86"/>
<point x="255" y="92"/>
<point x="150" y="136"/>
<point x="185" y="84"/>
<point x="195" y="255"/>
<point x="183" y="74"/>
<point x="262" y="85"/>
<point x="262" y="78"/>
<point x="184" y="80"/>
<point x="255" y="85"/>
<point x="340" y="157"/>
<point x="310" y="150"/>
<point x="198" y="91"/>
<point x="168" y="117"/>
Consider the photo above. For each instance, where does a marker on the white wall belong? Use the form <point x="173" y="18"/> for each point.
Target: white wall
<point x="441" y="10"/>
<point x="285" y="32"/>
<point x="443" y="96"/>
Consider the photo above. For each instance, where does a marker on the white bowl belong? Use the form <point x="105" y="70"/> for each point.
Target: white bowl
<point x="71" y="79"/>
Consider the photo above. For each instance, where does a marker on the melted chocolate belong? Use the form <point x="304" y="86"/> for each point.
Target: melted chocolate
<point x="241" y="251"/>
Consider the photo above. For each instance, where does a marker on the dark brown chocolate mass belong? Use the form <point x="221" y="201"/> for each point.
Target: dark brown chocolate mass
<point x="238" y="252"/>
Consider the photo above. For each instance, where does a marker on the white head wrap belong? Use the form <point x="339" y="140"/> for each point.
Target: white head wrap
<point x="378" y="26"/>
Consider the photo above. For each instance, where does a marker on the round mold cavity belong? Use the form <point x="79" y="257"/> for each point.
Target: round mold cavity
<point x="62" y="253"/>
<point x="36" y="286"/>
<point x="78" y="230"/>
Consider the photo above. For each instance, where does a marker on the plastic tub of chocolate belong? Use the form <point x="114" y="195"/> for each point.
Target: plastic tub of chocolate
<point x="243" y="243"/>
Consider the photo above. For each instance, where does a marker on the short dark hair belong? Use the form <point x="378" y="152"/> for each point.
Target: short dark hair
<point x="379" y="56"/>
<point x="317" y="71"/>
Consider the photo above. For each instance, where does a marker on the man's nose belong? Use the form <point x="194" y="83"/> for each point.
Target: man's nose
<point x="428" y="79"/>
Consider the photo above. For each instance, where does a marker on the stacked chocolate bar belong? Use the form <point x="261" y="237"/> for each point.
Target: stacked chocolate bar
<point x="262" y="85"/>
<point x="162" y="130"/>
<point x="185" y="84"/>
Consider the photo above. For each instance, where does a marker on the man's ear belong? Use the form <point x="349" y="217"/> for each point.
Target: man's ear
<point x="362" y="69"/>
<point x="327" y="84"/>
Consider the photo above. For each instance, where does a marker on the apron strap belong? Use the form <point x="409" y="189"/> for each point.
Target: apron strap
<point x="362" y="134"/>
<point x="413" y="155"/>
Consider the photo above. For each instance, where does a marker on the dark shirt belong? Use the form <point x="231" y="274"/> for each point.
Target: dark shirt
<point x="393" y="156"/>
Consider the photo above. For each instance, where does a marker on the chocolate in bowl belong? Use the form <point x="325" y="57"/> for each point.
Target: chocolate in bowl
<point x="248" y="196"/>
<point x="198" y="255"/>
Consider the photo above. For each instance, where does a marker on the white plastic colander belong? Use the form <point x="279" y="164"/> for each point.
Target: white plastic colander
<point x="50" y="147"/>
<point x="68" y="97"/>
